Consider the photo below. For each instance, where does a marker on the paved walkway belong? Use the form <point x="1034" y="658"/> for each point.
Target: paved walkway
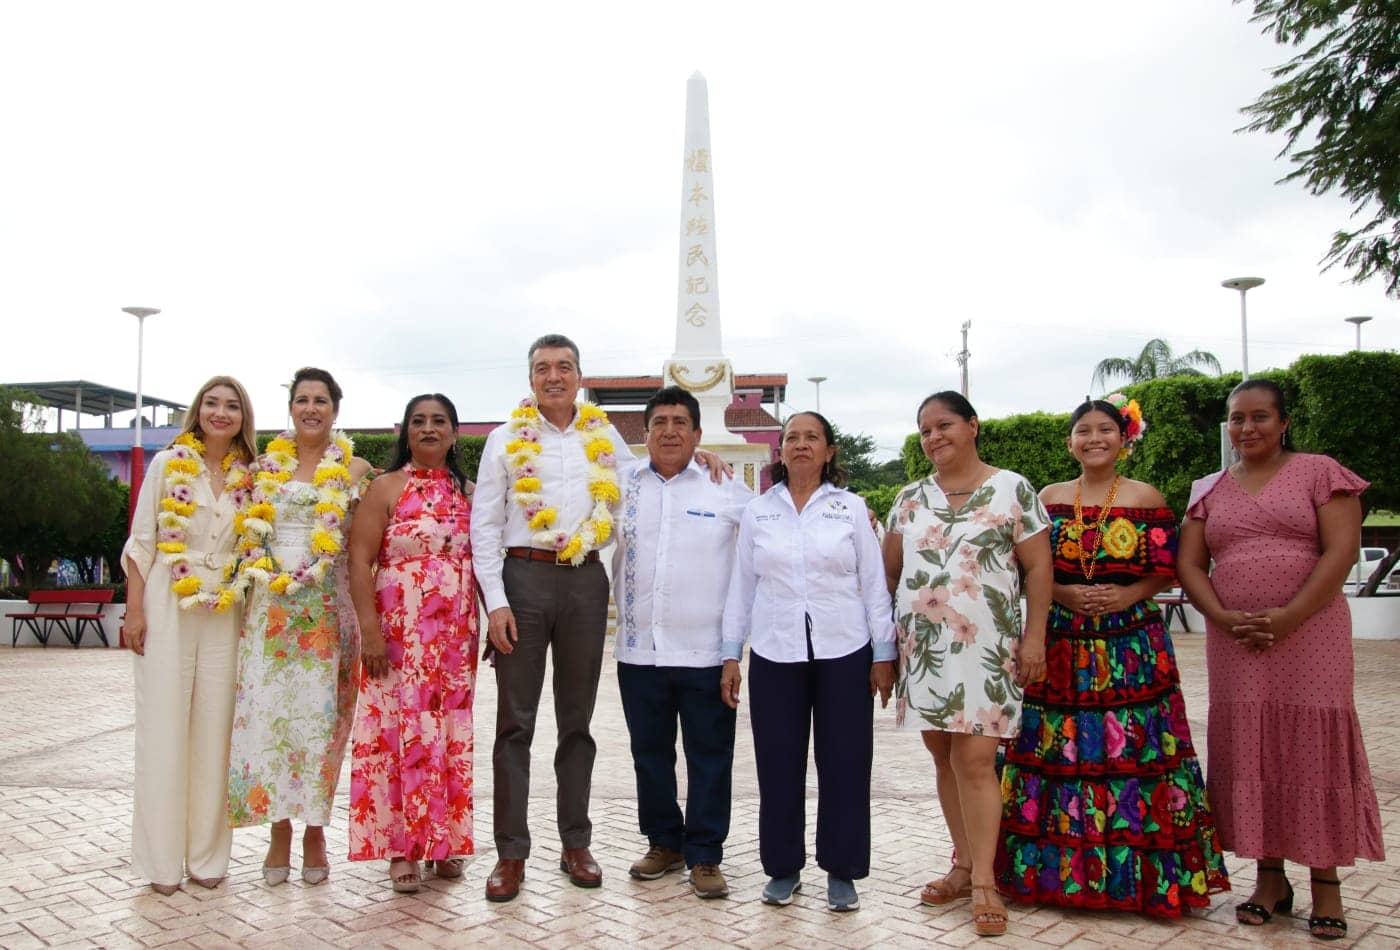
<point x="65" y="881"/>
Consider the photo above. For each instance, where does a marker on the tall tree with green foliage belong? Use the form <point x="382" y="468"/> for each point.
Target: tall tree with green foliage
<point x="1155" y="361"/>
<point x="59" y="499"/>
<point x="1338" y="104"/>
<point x="856" y="451"/>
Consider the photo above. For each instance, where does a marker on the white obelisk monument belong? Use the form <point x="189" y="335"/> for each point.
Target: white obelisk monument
<point x="698" y="364"/>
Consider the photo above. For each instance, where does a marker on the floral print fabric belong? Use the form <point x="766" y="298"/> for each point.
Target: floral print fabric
<point x="411" y="772"/>
<point x="297" y="677"/>
<point x="958" y="604"/>
<point x="1104" y="805"/>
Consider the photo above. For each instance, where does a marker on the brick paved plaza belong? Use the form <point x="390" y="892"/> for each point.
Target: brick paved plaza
<point x="65" y="881"/>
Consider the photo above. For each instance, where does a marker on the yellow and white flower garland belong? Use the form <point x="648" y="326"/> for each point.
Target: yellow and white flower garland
<point x="178" y="506"/>
<point x="255" y="524"/>
<point x="593" y="532"/>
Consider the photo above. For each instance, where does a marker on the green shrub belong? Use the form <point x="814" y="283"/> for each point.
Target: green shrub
<point x="1340" y="406"/>
<point x="1344" y="406"/>
<point x="879" y="499"/>
<point x="377" y="448"/>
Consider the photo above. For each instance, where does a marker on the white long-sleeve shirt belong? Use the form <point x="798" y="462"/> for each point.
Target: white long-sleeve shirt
<point x="499" y="523"/>
<point x="823" y="563"/>
<point x="675" y="552"/>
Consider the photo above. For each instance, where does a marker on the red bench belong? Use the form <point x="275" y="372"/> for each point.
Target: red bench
<point x="72" y="611"/>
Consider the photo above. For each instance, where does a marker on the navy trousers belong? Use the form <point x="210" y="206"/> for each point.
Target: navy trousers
<point x="829" y="700"/>
<point x="654" y="699"/>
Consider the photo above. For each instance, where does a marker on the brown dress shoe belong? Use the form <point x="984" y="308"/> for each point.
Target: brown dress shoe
<point x="583" y="870"/>
<point x="504" y="883"/>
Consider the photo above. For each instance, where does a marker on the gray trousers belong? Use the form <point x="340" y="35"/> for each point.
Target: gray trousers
<point x="563" y="609"/>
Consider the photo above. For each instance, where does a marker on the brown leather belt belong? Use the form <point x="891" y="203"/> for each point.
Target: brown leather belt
<point x="548" y="557"/>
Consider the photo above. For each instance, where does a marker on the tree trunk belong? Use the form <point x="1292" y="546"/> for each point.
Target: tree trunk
<point x="1379" y="575"/>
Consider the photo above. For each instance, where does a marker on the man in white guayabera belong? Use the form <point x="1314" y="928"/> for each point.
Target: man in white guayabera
<point x="675" y="549"/>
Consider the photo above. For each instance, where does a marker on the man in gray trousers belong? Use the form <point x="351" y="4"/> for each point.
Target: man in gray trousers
<point x="537" y="601"/>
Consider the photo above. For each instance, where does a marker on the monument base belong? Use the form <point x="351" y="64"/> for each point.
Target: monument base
<point x="710" y="379"/>
<point x="748" y="458"/>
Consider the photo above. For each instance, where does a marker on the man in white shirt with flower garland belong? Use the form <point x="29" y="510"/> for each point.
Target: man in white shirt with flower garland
<point x="675" y="549"/>
<point x="541" y="511"/>
<point x="543" y="507"/>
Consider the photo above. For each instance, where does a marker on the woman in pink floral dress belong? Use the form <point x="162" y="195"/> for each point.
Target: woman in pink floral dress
<point x="411" y="580"/>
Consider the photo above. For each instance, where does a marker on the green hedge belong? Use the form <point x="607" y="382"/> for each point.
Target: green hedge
<point x="1032" y="444"/>
<point x="1340" y="406"/>
<point x="1345" y="407"/>
<point x="377" y="448"/>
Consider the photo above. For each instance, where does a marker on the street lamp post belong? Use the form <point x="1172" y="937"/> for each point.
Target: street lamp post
<point x="963" y="355"/>
<point x="1244" y="285"/>
<point x="1358" y="321"/>
<point x="818" y="380"/>
<point x="138" y="451"/>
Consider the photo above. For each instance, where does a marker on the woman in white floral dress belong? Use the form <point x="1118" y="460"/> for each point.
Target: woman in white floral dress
<point x="956" y="544"/>
<point x="298" y="659"/>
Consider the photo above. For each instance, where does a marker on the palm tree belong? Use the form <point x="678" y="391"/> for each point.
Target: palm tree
<point x="1154" y="362"/>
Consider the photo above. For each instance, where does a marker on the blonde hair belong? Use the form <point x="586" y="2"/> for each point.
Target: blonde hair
<point x="245" y="442"/>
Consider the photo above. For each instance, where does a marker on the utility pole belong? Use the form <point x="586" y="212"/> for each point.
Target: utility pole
<point x="962" y="356"/>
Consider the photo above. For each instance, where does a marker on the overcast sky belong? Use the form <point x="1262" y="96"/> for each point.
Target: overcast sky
<point x="407" y="194"/>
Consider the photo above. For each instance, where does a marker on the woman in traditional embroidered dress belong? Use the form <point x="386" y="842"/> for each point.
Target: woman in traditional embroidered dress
<point x="1104" y="805"/>
<point x="182" y="626"/>
<point x="411" y="579"/>
<point x="1288" y="775"/>
<point x="956" y="545"/>
<point x="299" y="651"/>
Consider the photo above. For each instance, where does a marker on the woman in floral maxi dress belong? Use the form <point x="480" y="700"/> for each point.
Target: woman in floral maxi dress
<point x="956" y="543"/>
<point x="1104" y="804"/>
<point x="299" y="651"/>
<point x="411" y="578"/>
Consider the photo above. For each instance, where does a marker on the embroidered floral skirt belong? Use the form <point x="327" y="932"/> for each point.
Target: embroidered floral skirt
<point x="1103" y="802"/>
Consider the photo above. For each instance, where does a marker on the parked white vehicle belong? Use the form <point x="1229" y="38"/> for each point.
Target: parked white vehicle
<point x="1366" y="563"/>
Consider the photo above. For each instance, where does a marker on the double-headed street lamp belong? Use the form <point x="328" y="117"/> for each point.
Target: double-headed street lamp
<point x="138" y="451"/>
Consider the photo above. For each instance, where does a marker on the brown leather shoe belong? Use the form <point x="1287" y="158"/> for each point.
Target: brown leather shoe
<point x="504" y="883"/>
<point x="582" y="869"/>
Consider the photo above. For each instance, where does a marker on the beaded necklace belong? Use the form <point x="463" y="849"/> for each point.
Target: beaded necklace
<point x="1086" y="556"/>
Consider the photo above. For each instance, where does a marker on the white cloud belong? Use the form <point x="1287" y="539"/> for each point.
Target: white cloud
<point x="410" y="194"/>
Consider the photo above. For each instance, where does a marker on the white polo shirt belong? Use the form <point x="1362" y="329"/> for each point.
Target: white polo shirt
<point x="823" y="563"/>
<point x="675" y="551"/>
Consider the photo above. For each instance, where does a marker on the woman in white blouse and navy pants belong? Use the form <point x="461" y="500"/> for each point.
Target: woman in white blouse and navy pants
<point x="808" y="590"/>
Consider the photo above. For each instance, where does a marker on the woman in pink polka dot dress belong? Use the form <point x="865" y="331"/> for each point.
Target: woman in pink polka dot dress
<point x="1286" y="771"/>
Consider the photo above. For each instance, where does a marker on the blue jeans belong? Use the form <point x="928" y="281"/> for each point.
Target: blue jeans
<point x="654" y="699"/>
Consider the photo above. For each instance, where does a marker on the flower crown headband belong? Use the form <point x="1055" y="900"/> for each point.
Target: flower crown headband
<point x="1132" y="415"/>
